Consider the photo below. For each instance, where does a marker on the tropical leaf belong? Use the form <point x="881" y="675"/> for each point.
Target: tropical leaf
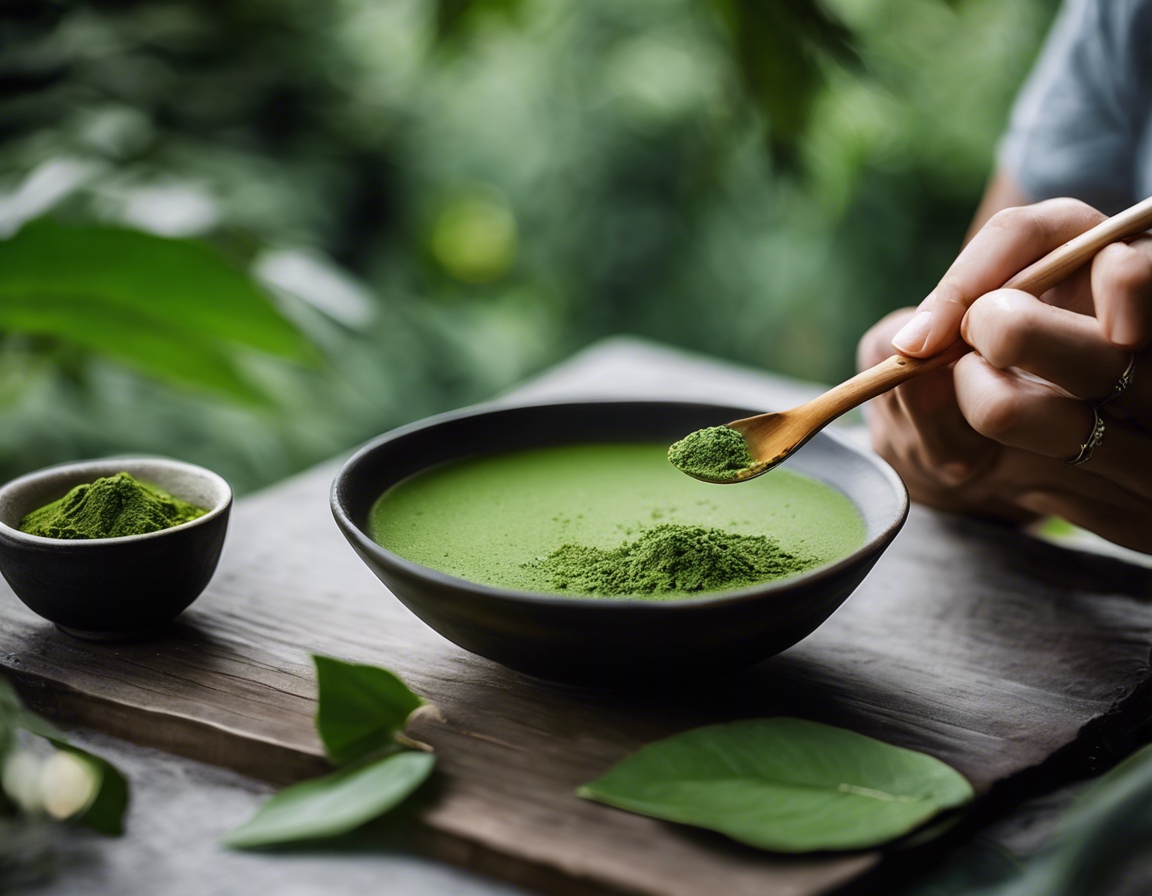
<point x="1105" y="830"/>
<point x="780" y="46"/>
<point x="454" y="16"/>
<point x="174" y="309"/>
<point x="105" y="812"/>
<point x="784" y="784"/>
<point x="184" y="282"/>
<point x="334" y="804"/>
<point x="361" y="708"/>
<point x="150" y="346"/>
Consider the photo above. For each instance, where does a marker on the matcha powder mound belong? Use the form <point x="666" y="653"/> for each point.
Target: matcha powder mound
<point x="109" y="508"/>
<point x="669" y="559"/>
<point x="713" y="453"/>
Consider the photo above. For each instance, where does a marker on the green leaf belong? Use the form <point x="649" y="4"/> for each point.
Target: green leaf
<point x="784" y="784"/>
<point x="13" y="715"/>
<point x="105" y="813"/>
<point x="151" y="346"/>
<point x="453" y="17"/>
<point x="29" y="721"/>
<point x="185" y="283"/>
<point x="361" y="709"/>
<point x="174" y="309"/>
<point x="782" y="47"/>
<point x="1101" y="835"/>
<point x="335" y="804"/>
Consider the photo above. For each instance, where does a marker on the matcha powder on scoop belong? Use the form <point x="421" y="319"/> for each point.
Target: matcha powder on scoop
<point x="715" y="453"/>
<point x="112" y="507"/>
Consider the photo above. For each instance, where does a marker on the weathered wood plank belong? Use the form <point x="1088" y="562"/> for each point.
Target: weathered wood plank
<point x="974" y="643"/>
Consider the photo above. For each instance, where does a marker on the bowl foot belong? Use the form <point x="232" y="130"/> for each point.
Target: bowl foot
<point x="131" y="635"/>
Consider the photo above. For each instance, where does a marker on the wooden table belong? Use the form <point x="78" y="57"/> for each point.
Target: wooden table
<point x="993" y="651"/>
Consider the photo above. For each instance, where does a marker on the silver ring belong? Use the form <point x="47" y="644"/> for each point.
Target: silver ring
<point x="1124" y="382"/>
<point x="1095" y="437"/>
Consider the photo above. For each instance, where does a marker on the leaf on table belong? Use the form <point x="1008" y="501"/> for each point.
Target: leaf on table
<point x="334" y="804"/>
<point x="932" y="832"/>
<point x="362" y="709"/>
<point x="784" y="784"/>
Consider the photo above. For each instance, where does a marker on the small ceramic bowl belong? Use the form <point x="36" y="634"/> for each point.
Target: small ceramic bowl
<point x="111" y="588"/>
<point x="612" y="641"/>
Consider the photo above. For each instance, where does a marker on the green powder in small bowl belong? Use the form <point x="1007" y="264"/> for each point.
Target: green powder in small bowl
<point x="112" y="507"/>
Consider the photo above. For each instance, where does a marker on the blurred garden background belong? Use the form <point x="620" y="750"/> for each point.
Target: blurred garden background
<point x="254" y="233"/>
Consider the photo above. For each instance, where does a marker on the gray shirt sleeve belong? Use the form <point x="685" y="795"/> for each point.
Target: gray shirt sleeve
<point x="1080" y="126"/>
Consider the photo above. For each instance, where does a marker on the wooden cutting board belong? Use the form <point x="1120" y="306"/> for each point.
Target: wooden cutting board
<point x="977" y="644"/>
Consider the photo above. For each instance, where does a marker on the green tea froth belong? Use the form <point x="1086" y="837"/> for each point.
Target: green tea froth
<point x="496" y="520"/>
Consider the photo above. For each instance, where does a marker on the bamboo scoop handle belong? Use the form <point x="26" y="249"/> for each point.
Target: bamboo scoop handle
<point x="1036" y="279"/>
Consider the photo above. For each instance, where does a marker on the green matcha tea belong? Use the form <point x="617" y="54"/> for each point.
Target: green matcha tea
<point x="714" y="454"/>
<point x="112" y="507"/>
<point x="589" y="520"/>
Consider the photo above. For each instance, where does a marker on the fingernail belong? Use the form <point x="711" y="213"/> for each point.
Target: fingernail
<point x="914" y="334"/>
<point x="955" y="472"/>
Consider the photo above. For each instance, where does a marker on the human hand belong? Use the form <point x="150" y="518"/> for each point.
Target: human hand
<point x="991" y="434"/>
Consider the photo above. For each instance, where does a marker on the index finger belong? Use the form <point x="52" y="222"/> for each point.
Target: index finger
<point x="1010" y="241"/>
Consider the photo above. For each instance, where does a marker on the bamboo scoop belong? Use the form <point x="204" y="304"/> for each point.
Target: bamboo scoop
<point x="772" y="438"/>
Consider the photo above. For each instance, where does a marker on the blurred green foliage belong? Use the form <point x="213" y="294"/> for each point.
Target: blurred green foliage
<point x="96" y="287"/>
<point x="445" y="196"/>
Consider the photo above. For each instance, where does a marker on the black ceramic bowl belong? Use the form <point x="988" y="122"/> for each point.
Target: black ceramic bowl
<point x="606" y="641"/>
<point x="109" y="588"/>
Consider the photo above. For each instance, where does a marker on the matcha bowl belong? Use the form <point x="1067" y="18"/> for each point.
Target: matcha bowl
<point x="113" y="588"/>
<point x="618" y="641"/>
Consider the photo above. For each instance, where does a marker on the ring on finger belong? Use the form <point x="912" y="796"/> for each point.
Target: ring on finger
<point x="1095" y="437"/>
<point x="1122" y="384"/>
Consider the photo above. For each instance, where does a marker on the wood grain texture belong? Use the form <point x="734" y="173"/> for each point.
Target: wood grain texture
<point x="976" y="644"/>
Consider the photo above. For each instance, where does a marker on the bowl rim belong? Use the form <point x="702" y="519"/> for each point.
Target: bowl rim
<point x="680" y="604"/>
<point x="28" y="479"/>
